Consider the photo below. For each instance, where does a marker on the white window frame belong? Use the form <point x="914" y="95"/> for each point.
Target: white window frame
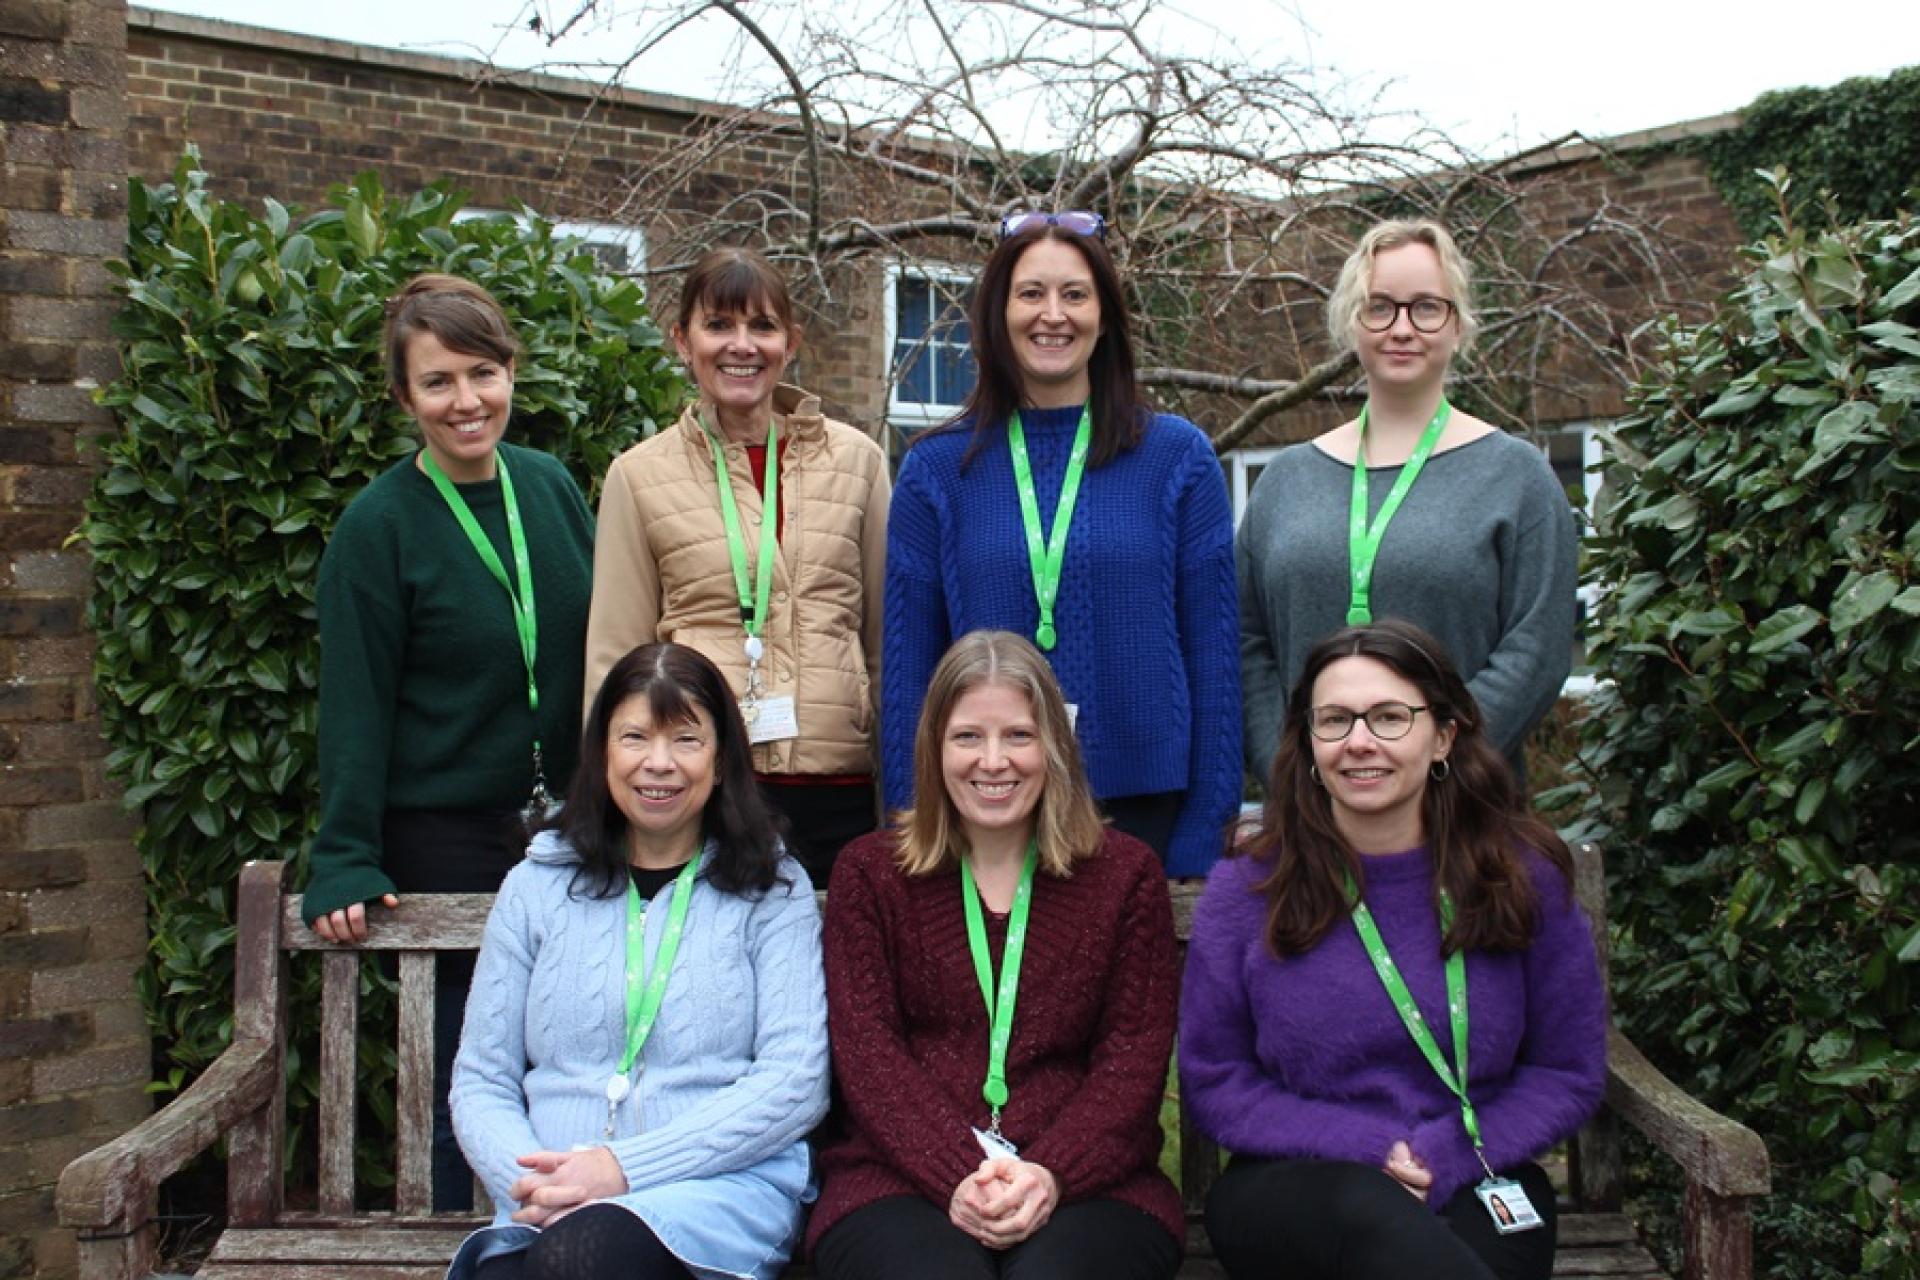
<point x="913" y="415"/>
<point x="1241" y="463"/>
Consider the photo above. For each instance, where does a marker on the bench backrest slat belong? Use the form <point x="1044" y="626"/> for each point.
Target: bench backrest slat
<point x="339" y="1072"/>
<point x="414" y="1100"/>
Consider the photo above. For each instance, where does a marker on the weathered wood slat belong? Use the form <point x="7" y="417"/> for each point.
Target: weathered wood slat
<point x="413" y="1191"/>
<point x="1585" y="1230"/>
<point x="339" y="1067"/>
<point x="422" y="922"/>
<point x="1724" y="1155"/>
<point x="366" y="1242"/>
<point x="255" y="1168"/>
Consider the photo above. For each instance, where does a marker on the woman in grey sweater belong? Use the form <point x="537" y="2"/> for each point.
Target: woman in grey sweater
<point x="646" y="1043"/>
<point x="1413" y="510"/>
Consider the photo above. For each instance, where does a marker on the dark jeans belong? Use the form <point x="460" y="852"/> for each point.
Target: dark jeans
<point x="1147" y="818"/>
<point x="822" y="819"/>
<point x="599" y="1242"/>
<point x="907" y="1236"/>
<point x="1336" y="1220"/>
<point x="446" y="851"/>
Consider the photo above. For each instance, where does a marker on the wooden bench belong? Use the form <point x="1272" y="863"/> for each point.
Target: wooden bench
<point x="108" y="1196"/>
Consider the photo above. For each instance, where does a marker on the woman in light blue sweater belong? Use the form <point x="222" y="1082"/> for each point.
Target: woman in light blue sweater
<point x="645" y="1046"/>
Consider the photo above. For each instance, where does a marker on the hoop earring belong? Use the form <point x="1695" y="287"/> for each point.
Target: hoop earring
<point x="1314" y="769"/>
<point x="1440" y="770"/>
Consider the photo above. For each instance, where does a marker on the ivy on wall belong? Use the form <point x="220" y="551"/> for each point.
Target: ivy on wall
<point x="252" y="406"/>
<point x="1858" y="141"/>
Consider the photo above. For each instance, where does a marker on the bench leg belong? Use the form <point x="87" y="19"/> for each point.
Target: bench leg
<point x="1719" y="1231"/>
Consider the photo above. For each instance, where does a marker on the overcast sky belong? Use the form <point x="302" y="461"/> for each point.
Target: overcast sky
<point x="1496" y="74"/>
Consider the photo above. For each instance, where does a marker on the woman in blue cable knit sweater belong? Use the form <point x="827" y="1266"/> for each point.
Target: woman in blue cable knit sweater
<point x="1145" y="620"/>
<point x="618" y="1144"/>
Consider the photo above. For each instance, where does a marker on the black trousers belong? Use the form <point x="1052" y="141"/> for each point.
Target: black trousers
<point x="822" y="819"/>
<point x="1147" y="818"/>
<point x="599" y="1242"/>
<point x="450" y="851"/>
<point x="1335" y="1220"/>
<point x="908" y="1236"/>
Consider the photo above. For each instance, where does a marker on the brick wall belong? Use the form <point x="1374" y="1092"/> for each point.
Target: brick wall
<point x="287" y="116"/>
<point x="73" y="1043"/>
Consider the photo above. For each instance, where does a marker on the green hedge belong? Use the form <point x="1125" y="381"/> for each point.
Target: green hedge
<point x="1756" y="739"/>
<point x="251" y="408"/>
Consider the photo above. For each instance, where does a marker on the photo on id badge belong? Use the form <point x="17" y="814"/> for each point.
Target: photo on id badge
<point x="1507" y="1204"/>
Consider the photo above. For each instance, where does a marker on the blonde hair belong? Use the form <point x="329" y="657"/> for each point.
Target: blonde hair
<point x="1066" y="821"/>
<point x="1356" y="277"/>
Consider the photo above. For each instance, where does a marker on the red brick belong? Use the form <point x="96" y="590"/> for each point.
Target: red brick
<point x="38" y="531"/>
<point x="54" y="826"/>
<point x="43" y="952"/>
<point x="39" y="319"/>
<point x="65" y="487"/>
<point x="129" y="1062"/>
<point x="37" y="870"/>
<point x="80" y="985"/>
<point x="55" y="402"/>
<point x="35" y="362"/>
<point x="61" y="742"/>
<point x="40" y="658"/>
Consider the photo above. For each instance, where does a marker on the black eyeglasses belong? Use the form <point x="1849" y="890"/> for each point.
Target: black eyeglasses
<point x="1428" y="315"/>
<point x="1079" y="221"/>
<point x="1385" y="721"/>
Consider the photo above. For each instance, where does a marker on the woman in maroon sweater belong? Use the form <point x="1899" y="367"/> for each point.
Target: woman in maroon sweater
<point x="945" y="1159"/>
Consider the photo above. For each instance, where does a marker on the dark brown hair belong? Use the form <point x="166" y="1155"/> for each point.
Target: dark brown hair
<point x="732" y="279"/>
<point x="462" y="315"/>
<point x="674" y="680"/>
<point x="1118" y="412"/>
<point x="1476" y="820"/>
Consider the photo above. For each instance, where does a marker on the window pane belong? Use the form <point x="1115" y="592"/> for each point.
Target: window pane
<point x="956" y="374"/>
<point x="913" y="373"/>
<point x="913" y="304"/>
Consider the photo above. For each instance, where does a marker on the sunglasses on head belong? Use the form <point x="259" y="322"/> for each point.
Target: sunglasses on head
<point x="1078" y="221"/>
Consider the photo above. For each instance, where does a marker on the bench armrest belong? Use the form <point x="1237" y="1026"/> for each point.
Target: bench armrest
<point x="1723" y="1156"/>
<point x="110" y="1190"/>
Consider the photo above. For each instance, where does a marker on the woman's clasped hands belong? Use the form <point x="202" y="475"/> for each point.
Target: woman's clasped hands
<point x="1004" y="1201"/>
<point x="562" y="1181"/>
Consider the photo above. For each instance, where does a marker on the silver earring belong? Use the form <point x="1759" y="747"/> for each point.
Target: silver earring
<point x="1440" y="770"/>
<point x="1315" y="771"/>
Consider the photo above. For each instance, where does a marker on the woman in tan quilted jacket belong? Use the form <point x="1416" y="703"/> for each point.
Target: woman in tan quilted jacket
<point x="788" y="608"/>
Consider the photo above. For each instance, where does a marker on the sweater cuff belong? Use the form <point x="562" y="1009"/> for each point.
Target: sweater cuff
<point x="343" y="889"/>
<point x="1441" y="1144"/>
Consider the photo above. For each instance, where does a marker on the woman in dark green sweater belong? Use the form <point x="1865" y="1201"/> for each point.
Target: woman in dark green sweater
<point x="453" y="609"/>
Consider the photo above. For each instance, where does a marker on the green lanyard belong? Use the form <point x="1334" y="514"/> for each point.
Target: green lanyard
<point x="1045" y="559"/>
<point x="646" y="990"/>
<point x="525" y="621"/>
<point x="1363" y="544"/>
<point x="999" y="1011"/>
<point x="753" y="594"/>
<point x="1455" y="1079"/>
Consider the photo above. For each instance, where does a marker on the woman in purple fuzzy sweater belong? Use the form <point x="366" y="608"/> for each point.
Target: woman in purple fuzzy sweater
<point x="1389" y="813"/>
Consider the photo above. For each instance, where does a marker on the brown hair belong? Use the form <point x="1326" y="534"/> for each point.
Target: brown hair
<point x="732" y="279"/>
<point x="1476" y="820"/>
<point x="1066" y="821"/>
<point x="1118" y="413"/>
<point x="462" y="315"/>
